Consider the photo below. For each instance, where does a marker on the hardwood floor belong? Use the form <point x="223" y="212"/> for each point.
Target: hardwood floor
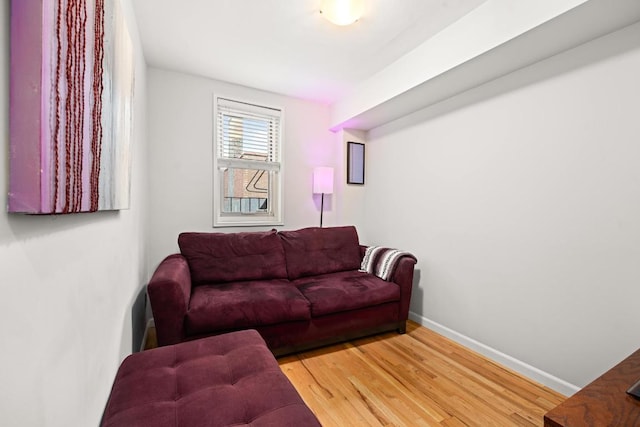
<point x="416" y="379"/>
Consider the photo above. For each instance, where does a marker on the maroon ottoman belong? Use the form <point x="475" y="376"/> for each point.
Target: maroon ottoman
<point x="224" y="380"/>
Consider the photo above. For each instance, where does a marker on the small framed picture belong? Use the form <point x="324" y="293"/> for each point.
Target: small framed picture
<point x="355" y="163"/>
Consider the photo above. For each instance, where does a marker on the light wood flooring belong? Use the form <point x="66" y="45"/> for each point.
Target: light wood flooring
<point x="416" y="379"/>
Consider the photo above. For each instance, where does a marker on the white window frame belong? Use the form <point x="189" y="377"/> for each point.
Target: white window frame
<point x="275" y="197"/>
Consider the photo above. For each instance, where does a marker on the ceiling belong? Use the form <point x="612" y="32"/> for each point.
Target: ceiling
<point x="285" y="46"/>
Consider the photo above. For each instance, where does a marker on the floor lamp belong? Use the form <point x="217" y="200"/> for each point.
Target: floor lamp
<point x="322" y="184"/>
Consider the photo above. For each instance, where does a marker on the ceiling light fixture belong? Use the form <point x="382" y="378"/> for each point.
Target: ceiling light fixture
<point x="342" y="12"/>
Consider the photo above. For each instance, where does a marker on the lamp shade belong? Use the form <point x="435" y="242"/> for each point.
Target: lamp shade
<point x="341" y="12"/>
<point x="323" y="180"/>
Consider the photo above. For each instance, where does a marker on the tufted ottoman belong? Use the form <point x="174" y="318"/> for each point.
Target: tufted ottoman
<point x="224" y="380"/>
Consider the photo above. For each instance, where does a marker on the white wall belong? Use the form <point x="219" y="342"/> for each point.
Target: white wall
<point x="181" y="150"/>
<point x="521" y="200"/>
<point x="68" y="284"/>
<point x="351" y="200"/>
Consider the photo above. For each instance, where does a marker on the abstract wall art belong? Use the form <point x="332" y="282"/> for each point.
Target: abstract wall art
<point x="71" y="98"/>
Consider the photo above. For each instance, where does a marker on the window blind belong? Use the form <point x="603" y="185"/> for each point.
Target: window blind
<point x="248" y="135"/>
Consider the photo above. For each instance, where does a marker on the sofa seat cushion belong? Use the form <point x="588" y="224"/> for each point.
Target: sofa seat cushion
<point x="226" y="380"/>
<point x="232" y="257"/>
<point x="239" y="305"/>
<point x="347" y="290"/>
<point x="312" y="251"/>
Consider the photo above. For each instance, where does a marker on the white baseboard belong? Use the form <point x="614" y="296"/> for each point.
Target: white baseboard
<point x="150" y="324"/>
<point x="519" y="366"/>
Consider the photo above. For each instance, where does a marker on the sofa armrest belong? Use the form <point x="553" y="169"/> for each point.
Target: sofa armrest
<point x="403" y="277"/>
<point x="169" y="292"/>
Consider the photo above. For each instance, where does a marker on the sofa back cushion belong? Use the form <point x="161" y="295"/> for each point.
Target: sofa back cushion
<point x="313" y="251"/>
<point x="232" y="257"/>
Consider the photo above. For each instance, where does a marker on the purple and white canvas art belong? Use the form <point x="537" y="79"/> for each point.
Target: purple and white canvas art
<point x="72" y="82"/>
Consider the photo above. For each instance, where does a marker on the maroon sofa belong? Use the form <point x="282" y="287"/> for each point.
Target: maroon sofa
<point x="299" y="289"/>
<point x="226" y="380"/>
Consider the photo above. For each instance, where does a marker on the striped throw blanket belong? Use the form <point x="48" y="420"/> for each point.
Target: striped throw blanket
<point x="381" y="261"/>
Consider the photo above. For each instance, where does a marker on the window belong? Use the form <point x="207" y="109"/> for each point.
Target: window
<point x="247" y="182"/>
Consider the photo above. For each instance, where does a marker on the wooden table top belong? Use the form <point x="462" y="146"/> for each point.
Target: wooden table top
<point x="604" y="402"/>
